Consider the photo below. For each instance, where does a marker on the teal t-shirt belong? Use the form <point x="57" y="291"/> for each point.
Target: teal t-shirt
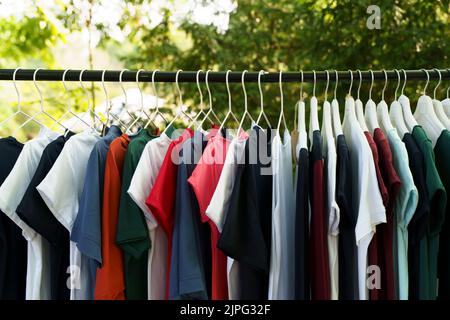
<point x="442" y="155"/>
<point x="429" y="245"/>
<point x="132" y="232"/>
<point x="404" y="209"/>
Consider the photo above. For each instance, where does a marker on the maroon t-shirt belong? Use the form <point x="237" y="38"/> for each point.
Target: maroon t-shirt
<point x="320" y="274"/>
<point x="373" y="247"/>
<point x="386" y="230"/>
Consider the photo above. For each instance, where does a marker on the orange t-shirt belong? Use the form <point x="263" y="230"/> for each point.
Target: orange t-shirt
<point x="110" y="280"/>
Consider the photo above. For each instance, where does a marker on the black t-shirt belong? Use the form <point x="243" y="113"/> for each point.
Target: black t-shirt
<point x="418" y="225"/>
<point x="246" y="235"/>
<point x="302" y="281"/>
<point x="13" y="246"/>
<point x="35" y="213"/>
<point x="348" y="259"/>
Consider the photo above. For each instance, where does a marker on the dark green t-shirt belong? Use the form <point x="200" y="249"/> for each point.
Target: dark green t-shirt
<point x="132" y="233"/>
<point x="429" y="245"/>
<point x="442" y="154"/>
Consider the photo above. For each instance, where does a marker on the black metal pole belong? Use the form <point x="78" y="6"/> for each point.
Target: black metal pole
<point x="234" y="76"/>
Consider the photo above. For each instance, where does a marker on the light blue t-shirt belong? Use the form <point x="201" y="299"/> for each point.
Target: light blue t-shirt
<point x="86" y="232"/>
<point x="404" y="209"/>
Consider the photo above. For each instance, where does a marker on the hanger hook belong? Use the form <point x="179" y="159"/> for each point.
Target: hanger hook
<point x="406" y="79"/>
<point x="336" y="84"/>
<point x="328" y="83"/>
<point x="89" y="106"/>
<point x="351" y="83"/>
<point x="199" y="89"/>
<point x="438" y="84"/>
<point x="371" y="84"/>
<point x="428" y="80"/>
<point x="228" y="90"/>
<point x="65" y="88"/>
<point x="37" y="88"/>
<point x="314" y="85"/>
<point x="243" y="88"/>
<point x="105" y="91"/>
<point x="19" y="98"/>
<point x="155" y="93"/>
<point x="398" y="84"/>
<point x="121" y="86"/>
<point x="207" y="87"/>
<point x="301" y="85"/>
<point x="360" y="83"/>
<point x="385" y="84"/>
<point x="261" y="72"/>
<point x="280" y="83"/>
<point x="178" y="88"/>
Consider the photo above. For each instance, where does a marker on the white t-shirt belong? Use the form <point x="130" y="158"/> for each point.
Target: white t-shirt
<point x="333" y="212"/>
<point x="367" y="199"/>
<point x="141" y="184"/>
<point x="61" y="190"/>
<point x="11" y="193"/>
<point x="282" y="273"/>
<point x="220" y="203"/>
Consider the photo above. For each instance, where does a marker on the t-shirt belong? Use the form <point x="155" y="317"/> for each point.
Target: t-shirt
<point x="161" y="199"/>
<point x="220" y="202"/>
<point x="301" y="263"/>
<point x="320" y="272"/>
<point x="442" y="154"/>
<point x="132" y="232"/>
<point x="33" y="211"/>
<point x="367" y="201"/>
<point x="86" y="231"/>
<point x="429" y="246"/>
<point x="404" y="208"/>
<point x="373" y="247"/>
<point x="331" y="208"/>
<point x="110" y="279"/>
<point x="419" y="221"/>
<point x="282" y="268"/>
<point x="246" y="234"/>
<point x="348" y="258"/>
<point x="203" y="181"/>
<point x="141" y="184"/>
<point x="61" y="190"/>
<point x="190" y="270"/>
<point x="13" y="246"/>
<point x="11" y="193"/>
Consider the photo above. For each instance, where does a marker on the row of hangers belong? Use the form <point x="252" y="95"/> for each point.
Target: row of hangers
<point x="431" y="112"/>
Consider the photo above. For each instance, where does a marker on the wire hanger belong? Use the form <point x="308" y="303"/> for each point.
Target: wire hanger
<point x="426" y="116"/>
<point x="327" y="129"/>
<point x="90" y="107"/>
<point x="230" y="111"/>
<point x="19" y="107"/>
<point x="201" y="112"/>
<point x="41" y="98"/>
<point x="261" y="95"/>
<point x="210" y="109"/>
<point x="350" y="105"/>
<point x="125" y="103"/>
<point x="437" y="104"/>
<point x="157" y="110"/>
<point x="69" y="109"/>
<point x="396" y="113"/>
<point x="382" y="107"/>
<point x="110" y="115"/>
<point x="313" y="117"/>
<point x="446" y="101"/>
<point x="142" y="111"/>
<point x="281" y="117"/>
<point x="302" y="134"/>
<point x="245" y="104"/>
<point x="180" y="107"/>
<point x="335" y="115"/>
<point x="359" y="104"/>
<point x="406" y="108"/>
<point x="371" y="108"/>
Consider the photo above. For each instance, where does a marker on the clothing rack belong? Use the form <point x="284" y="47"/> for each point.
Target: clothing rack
<point x="220" y="77"/>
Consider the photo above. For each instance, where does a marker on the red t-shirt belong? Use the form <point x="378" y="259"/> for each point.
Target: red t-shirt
<point x="373" y="247"/>
<point x="386" y="230"/>
<point x="110" y="279"/>
<point x="203" y="181"/>
<point x="161" y="199"/>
